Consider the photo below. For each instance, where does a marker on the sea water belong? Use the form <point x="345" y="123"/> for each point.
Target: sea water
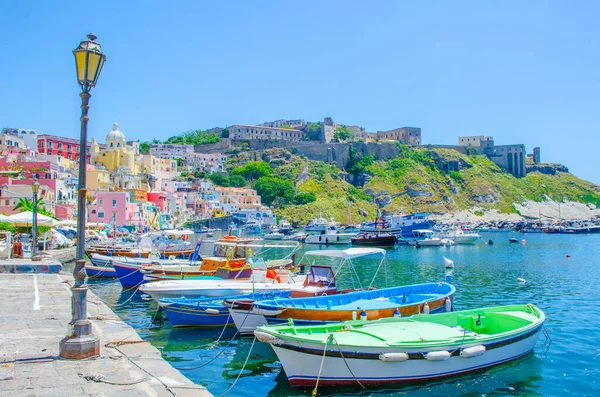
<point x="565" y="288"/>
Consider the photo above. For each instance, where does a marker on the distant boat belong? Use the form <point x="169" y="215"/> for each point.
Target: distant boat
<point x="399" y="350"/>
<point x="459" y="236"/>
<point x="402" y="224"/>
<point x="330" y="236"/>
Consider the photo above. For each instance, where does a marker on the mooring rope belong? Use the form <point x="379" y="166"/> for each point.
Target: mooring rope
<point x="241" y="370"/>
<point x="314" y="392"/>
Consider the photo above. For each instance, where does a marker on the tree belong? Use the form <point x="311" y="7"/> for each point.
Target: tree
<point x="26" y="204"/>
<point x="313" y="131"/>
<point x="273" y="190"/>
<point x="194" y="137"/>
<point x="342" y="134"/>
<point x="237" y="181"/>
<point x="219" y="179"/>
<point x="224" y="133"/>
<point x="358" y="164"/>
<point x="253" y="170"/>
<point x="304" y="198"/>
<point x="145" y="147"/>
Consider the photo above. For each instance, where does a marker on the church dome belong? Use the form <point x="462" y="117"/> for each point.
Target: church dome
<point x="115" y="134"/>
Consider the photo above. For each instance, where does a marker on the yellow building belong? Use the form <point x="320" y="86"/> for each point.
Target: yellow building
<point x="117" y="153"/>
<point x="98" y="179"/>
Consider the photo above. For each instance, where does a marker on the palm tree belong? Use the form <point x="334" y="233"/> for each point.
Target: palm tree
<point x="26" y="204"/>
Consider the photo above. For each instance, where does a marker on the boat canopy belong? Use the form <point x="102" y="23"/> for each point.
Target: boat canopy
<point x="349" y="253"/>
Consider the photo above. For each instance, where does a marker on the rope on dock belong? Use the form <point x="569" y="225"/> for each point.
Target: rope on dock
<point x="114" y="345"/>
<point x="96" y="377"/>
<point x="241" y="370"/>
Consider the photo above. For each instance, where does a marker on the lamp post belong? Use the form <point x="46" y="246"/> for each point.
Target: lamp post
<point x="35" y="188"/>
<point x="81" y="343"/>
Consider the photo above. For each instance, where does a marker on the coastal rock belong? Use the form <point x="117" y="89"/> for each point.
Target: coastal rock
<point x="489" y="198"/>
<point x="302" y="176"/>
<point x="421" y="190"/>
<point x="383" y="201"/>
<point x="547" y="168"/>
<point x="448" y="199"/>
<point x="381" y="193"/>
<point x="370" y="192"/>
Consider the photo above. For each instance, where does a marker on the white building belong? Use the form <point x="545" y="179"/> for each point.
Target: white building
<point x="28" y="135"/>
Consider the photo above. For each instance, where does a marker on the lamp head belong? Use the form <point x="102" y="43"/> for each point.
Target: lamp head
<point x="89" y="60"/>
<point x="35" y="187"/>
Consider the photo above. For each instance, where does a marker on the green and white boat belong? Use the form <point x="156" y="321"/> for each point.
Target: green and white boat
<point x="404" y="349"/>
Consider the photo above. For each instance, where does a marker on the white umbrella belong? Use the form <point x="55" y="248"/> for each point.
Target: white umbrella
<point x="26" y="219"/>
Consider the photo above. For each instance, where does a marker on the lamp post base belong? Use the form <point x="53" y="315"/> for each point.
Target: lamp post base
<point x="81" y="344"/>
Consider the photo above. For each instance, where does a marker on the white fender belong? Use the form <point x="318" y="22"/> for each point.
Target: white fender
<point x="472" y="351"/>
<point x="212" y="311"/>
<point x="396" y="357"/>
<point x="438" y="356"/>
<point x="448" y="305"/>
<point x="426" y="308"/>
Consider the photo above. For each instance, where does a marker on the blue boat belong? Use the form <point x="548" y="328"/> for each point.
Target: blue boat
<point x="207" y="312"/>
<point x="373" y="304"/>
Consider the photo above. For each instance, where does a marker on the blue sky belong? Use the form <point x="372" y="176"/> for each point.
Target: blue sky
<point x="524" y="72"/>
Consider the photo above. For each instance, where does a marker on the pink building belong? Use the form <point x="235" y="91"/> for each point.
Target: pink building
<point x="112" y="207"/>
<point x="158" y="198"/>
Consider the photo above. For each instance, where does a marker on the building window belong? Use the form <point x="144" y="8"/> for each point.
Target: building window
<point x="50" y="145"/>
<point x="60" y="145"/>
<point x="114" y="202"/>
<point x="101" y="201"/>
<point x="70" y="147"/>
<point x="100" y="214"/>
<point x="42" y="144"/>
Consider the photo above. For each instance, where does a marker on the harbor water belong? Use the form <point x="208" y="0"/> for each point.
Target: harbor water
<point x="566" y="288"/>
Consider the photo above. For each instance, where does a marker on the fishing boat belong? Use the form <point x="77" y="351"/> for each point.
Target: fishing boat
<point x="167" y="243"/>
<point x="373" y="304"/>
<point x="229" y="259"/>
<point x="399" y="224"/>
<point x="330" y="236"/>
<point x="397" y="350"/>
<point x="260" y="282"/>
<point x="204" y="312"/>
<point x="320" y="224"/>
<point x="374" y="240"/>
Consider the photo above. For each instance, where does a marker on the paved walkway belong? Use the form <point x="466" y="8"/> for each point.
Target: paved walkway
<point x="35" y="310"/>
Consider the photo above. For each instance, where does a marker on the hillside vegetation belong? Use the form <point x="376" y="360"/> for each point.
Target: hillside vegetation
<point x="410" y="182"/>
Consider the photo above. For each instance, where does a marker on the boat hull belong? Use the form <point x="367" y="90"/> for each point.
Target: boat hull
<point x="301" y="363"/>
<point x="187" y="316"/>
<point x="100" y="271"/>
<point x="379" y="241"/>
<point x="132" y="276"/>
<point x="246" y="321"/>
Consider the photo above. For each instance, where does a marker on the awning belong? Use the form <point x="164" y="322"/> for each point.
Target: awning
<point x="26" y="219"/>
<point x="349" y="253"/>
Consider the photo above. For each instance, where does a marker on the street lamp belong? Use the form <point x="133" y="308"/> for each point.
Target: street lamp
<point x="35" y="188"/>
<point x="81" y="343"/>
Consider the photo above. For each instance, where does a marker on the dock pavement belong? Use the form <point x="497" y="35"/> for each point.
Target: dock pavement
<point x="35" y="310"/>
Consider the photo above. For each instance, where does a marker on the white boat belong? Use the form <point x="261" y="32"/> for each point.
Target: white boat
<point x="220" y="288"/>
<point x="459" y="236"/>
<point x="320" y="224"/>
<point x="330" y="236"/>
<point x="425" y="238"/>
<point x="274" y="236"/>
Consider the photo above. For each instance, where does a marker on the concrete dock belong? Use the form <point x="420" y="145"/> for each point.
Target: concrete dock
<point x="35" y="311"/>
